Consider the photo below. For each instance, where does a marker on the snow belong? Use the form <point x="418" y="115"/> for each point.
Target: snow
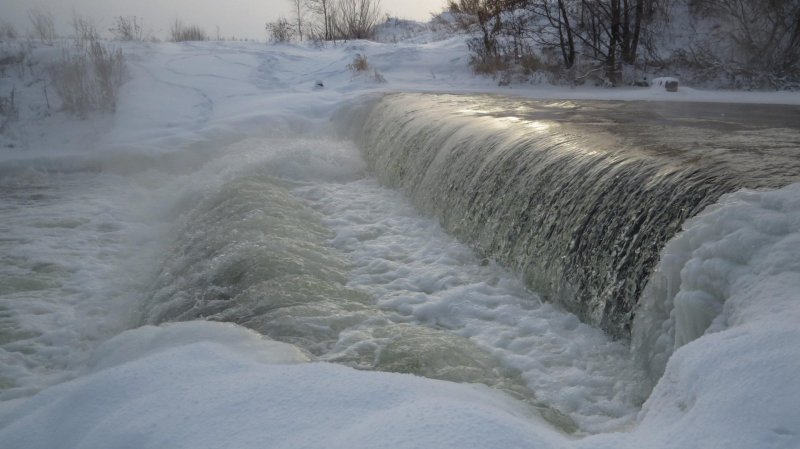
<point x="727" y="349"/>
<point x="223" y="390"/>
<point x="733" y="264"/>
<point x="663" y="82"/>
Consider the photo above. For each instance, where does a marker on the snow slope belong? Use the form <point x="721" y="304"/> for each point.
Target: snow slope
<point x="200" y="384"/>
<point x="219" y="90"/>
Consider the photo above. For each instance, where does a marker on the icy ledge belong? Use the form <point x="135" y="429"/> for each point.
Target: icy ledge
<point x="735" y="264"/>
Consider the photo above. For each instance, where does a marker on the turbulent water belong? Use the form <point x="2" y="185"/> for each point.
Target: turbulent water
<point x="301" y="240"/>
<point x="325" y="258"/>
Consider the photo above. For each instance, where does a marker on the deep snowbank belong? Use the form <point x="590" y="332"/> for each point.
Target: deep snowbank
<point x="207" y="385"/>
<point x="737" y="264"/>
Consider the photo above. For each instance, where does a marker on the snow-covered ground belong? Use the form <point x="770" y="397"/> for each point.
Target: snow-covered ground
<point x="88" y="208"/>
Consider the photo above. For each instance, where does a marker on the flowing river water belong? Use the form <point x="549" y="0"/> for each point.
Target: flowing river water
<point x="466" y="238"/>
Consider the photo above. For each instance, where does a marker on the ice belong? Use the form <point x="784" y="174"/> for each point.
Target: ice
<point x="734" y="263"/>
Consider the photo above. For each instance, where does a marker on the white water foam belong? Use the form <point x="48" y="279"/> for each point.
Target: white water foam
<point x="421" y="275"/>
<point x="67" y="275"/>
<point x="80" y="235"/>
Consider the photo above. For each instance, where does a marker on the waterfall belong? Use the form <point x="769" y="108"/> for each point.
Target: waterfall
<point x="578" y="199"/>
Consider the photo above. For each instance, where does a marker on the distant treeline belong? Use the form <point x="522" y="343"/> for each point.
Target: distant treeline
<point x="732" y="43"/>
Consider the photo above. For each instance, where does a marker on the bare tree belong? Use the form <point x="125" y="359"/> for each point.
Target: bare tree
<point x="297" y="5"/>
<point x="765" y="32"/>
<point x="355" y="19"/>
<point x="608" y="31"/>
<point x="488" y="15"/>
<point x="324" y="10"/>
<point x="633" y="16"/>
<point x="558" y="31"/>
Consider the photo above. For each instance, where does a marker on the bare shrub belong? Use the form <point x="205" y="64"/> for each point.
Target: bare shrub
<point x="128" y="28"/>
<point x="8" y="31"/>
<point x="359" y="64"/>
<point x="43" y="26"/>
<point x="179" y="32"/>
<point x="88" y="78"/>
<point x="280" y="30"/>
<point x="486" y="61"/>
<point x="84" y="31"/>
<point x="529" y="63"/>
<point x="70" y="77"/>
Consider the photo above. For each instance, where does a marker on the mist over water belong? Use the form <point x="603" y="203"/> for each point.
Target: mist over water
<point x="68" y="269"/>
<point x="301" y="240"/>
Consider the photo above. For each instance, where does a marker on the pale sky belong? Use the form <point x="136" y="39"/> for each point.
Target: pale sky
<point x="242" y="18"/>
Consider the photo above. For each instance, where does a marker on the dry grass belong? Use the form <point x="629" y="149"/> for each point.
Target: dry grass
<point x="179" y="32"/>
<point x="87" y="78"/>
<point x="128" y="28"/>
<point x="359" y="64"/>
<point x="42" y="25"/>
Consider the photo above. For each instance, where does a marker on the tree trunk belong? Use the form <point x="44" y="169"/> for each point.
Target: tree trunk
<point x="569" y="52"/>
<point x="626" y="32"/>
<point x="613" y="42"/>
<point x="299" y="20"/>
<point x="629" y="57"/>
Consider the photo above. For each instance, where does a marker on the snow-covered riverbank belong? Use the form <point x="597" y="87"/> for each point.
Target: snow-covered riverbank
<point x="91" y="209"/>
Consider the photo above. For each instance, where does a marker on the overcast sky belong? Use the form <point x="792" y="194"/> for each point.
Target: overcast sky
<point x="240" y="18"/>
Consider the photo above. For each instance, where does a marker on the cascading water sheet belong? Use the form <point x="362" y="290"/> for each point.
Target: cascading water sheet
<point x="579" y="198"/>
